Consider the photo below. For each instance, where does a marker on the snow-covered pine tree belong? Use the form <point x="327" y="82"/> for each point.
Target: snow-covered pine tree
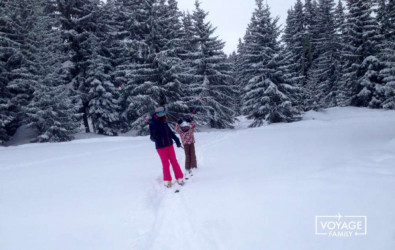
<point x="189" y="44"/>
<point x="311" y="33"/>
<point x="17" y="74"/>
<point x="103" y="106"/>
<point x="9" y="46"/>
<point x="340" y="21"/>
<point x="169" y="60"/>
<point x="22" y="78"/>
<point x="78" y="19"/>
<point x="340" y="27"/>
<point x="322" y="83"/>
<point x="103" y="99"/>
<point x="139" y="94"/>
<point x="293" y="90"/>
<point x="190" y="54"/>
<point x="291" y="67"/>
<point x="382" y="15"/>
<point x="114" y="21"/>
<point x="266" y="95"/>
<point x="290" y="75"/>
<point x="212" y="76"/>
<point x="298" y="50"/>
<point x="51" y="111"/>
<point x="243" y="72"/>
<point x="129" y="24"/>
<point x="300" y="47"/>
<point x="232" y="60"/>
<point x="360" y="52"/>
<point x="387" y="24"/>
<point x="153" y="79"/>
<point x="237" y="75"/>
<point x="310" y="13"/>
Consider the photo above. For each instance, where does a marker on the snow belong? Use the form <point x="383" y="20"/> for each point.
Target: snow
<point x="255" y="188"/>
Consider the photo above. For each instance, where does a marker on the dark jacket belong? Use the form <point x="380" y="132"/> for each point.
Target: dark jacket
<point x="161" y="133"/>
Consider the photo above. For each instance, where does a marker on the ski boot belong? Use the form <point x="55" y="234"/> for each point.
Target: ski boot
<point x="180" y="182"/>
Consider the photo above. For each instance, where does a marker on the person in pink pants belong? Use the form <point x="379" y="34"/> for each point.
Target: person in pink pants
<point x="167" y="156"/>
<point x="163" y="137"/>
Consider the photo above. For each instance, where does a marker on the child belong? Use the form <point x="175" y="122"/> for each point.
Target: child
<point x="186" y="129"/>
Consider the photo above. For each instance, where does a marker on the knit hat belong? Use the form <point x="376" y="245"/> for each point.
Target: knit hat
<point x="160" y="111"/>
<point x="185" y="124"/>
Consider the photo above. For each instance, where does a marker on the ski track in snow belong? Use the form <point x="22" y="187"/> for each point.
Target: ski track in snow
<point x="171" y="225"/>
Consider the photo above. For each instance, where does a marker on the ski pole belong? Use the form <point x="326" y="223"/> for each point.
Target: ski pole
<point x="197" y="105"/>
<point x="144" y="116"/>
<point x="173" y="116"/>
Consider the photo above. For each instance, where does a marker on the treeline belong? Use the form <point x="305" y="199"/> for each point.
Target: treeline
<point x="329" y="55"/>
<point x="71" y="63"/>
<point x="67" y="65"/>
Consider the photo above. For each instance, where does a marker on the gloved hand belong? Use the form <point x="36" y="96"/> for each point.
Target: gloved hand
<point x="178" y="144"/>
<point x="188" y="120"/>
<point x="179" y="121"/>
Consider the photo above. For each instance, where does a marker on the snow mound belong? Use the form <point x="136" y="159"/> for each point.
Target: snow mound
<point x="23" y="135"/>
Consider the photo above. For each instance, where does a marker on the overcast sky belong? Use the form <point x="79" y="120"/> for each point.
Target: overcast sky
<point x="231" y="17"/>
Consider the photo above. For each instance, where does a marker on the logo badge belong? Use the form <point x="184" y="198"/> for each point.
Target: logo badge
<point x="340" y="226"/>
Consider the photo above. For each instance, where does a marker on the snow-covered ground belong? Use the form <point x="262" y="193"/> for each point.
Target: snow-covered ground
<point x="255" y="189"/>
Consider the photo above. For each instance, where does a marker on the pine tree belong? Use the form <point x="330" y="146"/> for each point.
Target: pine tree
<point x="322" y="82"/>
<point x="232" y="60"/>
<point x="342" y="96"/>
<point x="188" y="41"/>
<point x="238" y="77"/>
<point x="300" y="46"/>
<point x="212" y="76"/>
<point x="266" y="95"/>
<point x="340" y="21"/>
<point x="17" y="72"/>
<point x="297" y="51"/>
<point x="169" y="58"/>
<point x="115" y="32"/>
<point x="22" y="77"/>
<point x="382" y="15"/>
<point x="388" y="54"/>
<point x="129" y="23"/>
<point x="9" y="46"/>
<point x="291" y="67"/>
<point x="103" y="104"/>
<point x="190" y="54"/>
<point x="51" y="111"/>
<point x="311" y="33"/>
<point x="140" y="92"/>
<point x="153" y="79"/>
<point x="78" y="20"/>
<point x="361" y="51"/>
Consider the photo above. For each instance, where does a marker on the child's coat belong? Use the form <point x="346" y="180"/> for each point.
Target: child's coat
<point x="188" y="136"/>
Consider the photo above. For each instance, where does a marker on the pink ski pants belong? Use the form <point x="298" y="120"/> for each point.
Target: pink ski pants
<point x="168" y="155"/>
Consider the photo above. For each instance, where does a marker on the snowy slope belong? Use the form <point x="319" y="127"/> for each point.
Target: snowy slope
<point x="255" y="189"/>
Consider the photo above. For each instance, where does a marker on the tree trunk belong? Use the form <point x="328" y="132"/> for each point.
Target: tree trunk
<point x="85" y="117"/>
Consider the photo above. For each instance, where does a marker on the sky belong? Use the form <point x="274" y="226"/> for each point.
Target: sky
<point x="231" y="17"/>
